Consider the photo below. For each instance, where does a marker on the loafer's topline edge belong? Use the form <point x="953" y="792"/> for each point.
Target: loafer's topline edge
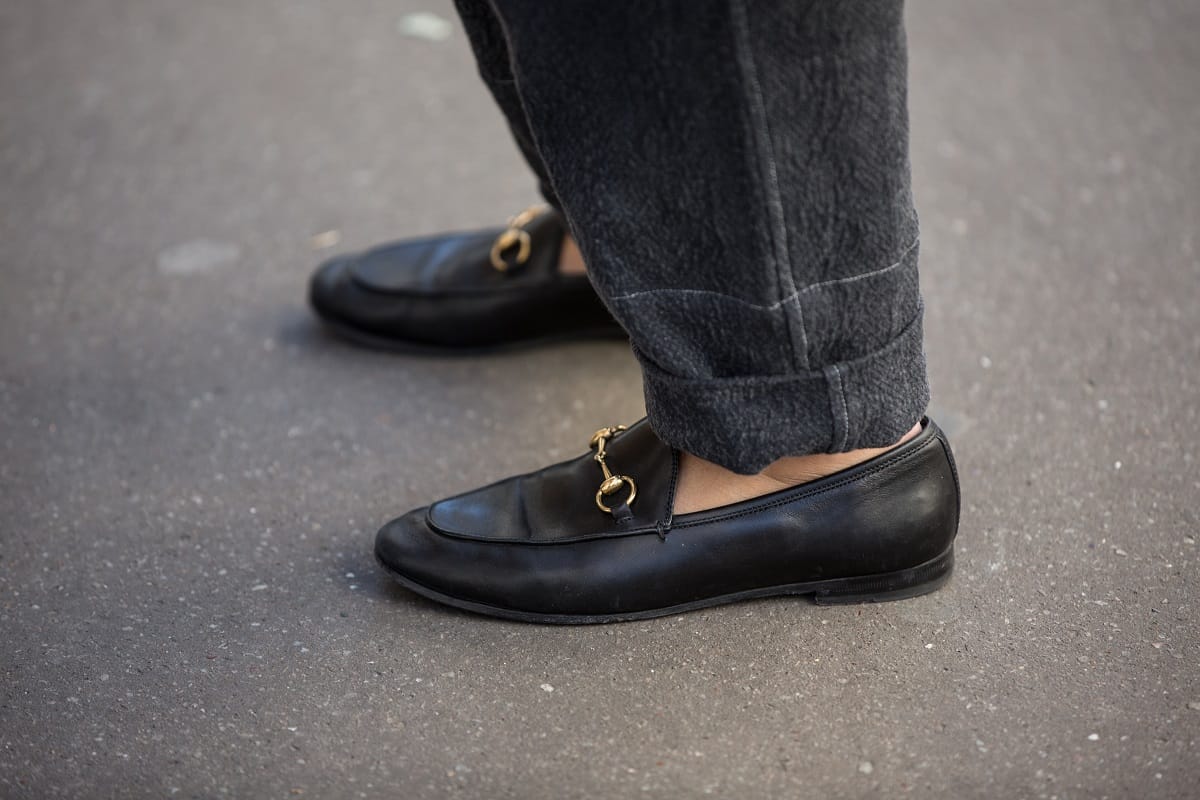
<point x="535" y="547"/>
<point x="442" y="295"/>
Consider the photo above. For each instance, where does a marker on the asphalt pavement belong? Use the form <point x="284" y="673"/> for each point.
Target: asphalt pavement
<point x="191" y="470"/>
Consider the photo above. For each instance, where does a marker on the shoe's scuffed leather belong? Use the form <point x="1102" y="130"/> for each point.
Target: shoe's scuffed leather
<point x="537" y="545"/>
<point x="442" y="292"/>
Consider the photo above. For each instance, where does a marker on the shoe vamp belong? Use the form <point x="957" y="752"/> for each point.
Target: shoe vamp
<point x="615" y="575"/>
<point x="458" y="262"/>
<point x="558" y="503"/>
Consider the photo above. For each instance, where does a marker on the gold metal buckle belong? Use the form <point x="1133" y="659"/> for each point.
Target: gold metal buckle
<point x="611" y="483"/>
<point x="516" y="236"/>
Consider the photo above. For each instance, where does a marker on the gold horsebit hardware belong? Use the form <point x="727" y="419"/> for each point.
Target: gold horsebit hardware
<point x="514" y="236"/>
<point x="612" y="483"/>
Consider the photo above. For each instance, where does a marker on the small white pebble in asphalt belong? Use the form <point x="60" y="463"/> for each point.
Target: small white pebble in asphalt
<point x="258" y="587"/>
<point x="1194" y="705"/>
<point x="866" y="767"/>
<point x="196" y="256"/>
<point x="1093" y="737"/>
<point x="424" y="25"/>
<point x="325" y="239"/>
<point x="929" y="646"/>
<point x="1116" y="465"/>
<point x="985" y="362"/>
<point x="547" y="687"/>
<point x="1120" y="552"/>
<point x="1102" y="405"/>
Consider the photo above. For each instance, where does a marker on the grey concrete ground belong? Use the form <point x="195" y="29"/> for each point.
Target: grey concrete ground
<point x="191" y="472"/>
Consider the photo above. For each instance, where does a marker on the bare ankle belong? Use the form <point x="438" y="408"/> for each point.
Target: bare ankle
<point x="570" y="260"/>
<point x="793" y="470"/>
<point x="704" y="485"/>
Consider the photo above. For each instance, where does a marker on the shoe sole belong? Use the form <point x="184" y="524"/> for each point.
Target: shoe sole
<point x="900" y="585"/>
<point x="403" y="346"/>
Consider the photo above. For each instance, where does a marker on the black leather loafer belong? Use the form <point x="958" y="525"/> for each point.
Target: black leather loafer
<point x="552" y="547"/>
<point x="464" y="292"/>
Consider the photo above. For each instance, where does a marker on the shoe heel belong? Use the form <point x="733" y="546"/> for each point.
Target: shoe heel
<point x="899" y="585"/>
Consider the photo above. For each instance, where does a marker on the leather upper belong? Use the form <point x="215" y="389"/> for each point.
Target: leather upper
<point x="443" y="292"/>
<point x="557" y="503"/>
<point x="538" y="542"/>
<point x="457" y="263"/>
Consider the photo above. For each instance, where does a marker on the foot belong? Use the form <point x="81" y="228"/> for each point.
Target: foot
<point x="472" y="292"/>
<point x="594" y="539"/>
<point x="704" y="485"/>
<point x="570" y="260"/>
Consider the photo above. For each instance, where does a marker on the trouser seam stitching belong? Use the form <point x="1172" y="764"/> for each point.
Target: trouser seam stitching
<point x="775" y="223"/>
<point x="838" y="408"/>
<point x="841" y="390"/>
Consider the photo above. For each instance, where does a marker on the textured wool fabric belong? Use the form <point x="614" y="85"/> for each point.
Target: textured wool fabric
<point x="491" y="55"/>
<point x="736" y="174"/>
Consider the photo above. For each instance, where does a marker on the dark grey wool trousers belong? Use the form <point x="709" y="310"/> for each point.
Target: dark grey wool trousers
<point x="736" y="174"/>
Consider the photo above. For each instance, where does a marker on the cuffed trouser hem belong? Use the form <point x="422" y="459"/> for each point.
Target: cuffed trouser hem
<point x="745" y="423"/>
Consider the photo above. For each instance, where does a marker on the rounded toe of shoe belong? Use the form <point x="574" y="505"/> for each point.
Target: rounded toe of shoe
<point x="329" y="288"/>
<point x="408" y="549"/>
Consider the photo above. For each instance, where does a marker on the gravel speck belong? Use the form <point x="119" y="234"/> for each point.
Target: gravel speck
<point x="325" y="240"/>
<point x="197" y="256"/>
<point x="424" y="25"/>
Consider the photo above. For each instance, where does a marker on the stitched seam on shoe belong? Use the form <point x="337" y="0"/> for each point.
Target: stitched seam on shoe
<point x="532" y="281"/>
<point x="663" y="526"/>
<point x="439" y="528"/>
<point x="799" y="494"/>
<point x="954" y="473"/>
<point x="532" y="284"/>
